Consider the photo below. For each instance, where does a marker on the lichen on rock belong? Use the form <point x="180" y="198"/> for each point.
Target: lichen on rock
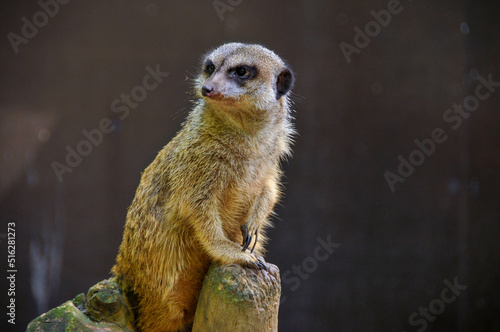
<point x="105" y="308"/>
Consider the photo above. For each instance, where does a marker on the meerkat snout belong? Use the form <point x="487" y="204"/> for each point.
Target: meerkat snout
<point x="207" y="91"/>
<point x="212" y="91"/>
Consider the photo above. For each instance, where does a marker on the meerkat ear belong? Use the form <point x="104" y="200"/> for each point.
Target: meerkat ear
<point x="284" y="82"/>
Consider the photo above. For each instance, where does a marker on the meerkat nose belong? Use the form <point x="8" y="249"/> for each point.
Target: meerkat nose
<point x="207" y="91"/>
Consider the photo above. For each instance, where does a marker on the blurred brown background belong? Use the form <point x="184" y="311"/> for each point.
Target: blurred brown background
<point x="354" y="120"/>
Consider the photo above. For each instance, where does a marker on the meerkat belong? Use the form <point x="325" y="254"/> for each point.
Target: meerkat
<point x="209" y="193"/>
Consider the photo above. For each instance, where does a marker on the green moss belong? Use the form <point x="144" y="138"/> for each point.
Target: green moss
<point x="103" y="309"/>
<point x="79" y="301"/>
<point x="66" y="317"/>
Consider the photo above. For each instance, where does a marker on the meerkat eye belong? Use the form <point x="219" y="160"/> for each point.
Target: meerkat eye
<point x="209" y="68"/>
<point x="242" y="72"/>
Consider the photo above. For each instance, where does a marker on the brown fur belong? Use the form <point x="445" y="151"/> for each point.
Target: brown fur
<point x="220" y="172"/>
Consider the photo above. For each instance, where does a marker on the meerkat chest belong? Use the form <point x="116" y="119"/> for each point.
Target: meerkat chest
<point x="247" y="186"/>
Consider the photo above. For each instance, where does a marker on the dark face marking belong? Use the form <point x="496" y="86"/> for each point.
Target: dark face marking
<point x="209" y="67"/>
<point x="242" y="73"/>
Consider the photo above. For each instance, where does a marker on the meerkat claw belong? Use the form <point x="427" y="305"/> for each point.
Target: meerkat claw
<point x="247" y="242"/>
<point x="258" y="264"/>
<point x="255" y="242"/>
<point x="261" y="265"/>
<point x="247" y="238"/>
<point x="244" y="232"/>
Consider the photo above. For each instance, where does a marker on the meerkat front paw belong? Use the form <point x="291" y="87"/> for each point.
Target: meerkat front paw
<point x="249" y="233"/>
<point x="256" y="262"/>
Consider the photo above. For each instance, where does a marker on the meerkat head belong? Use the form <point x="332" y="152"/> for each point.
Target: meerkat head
<point x="244" y="76"/>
